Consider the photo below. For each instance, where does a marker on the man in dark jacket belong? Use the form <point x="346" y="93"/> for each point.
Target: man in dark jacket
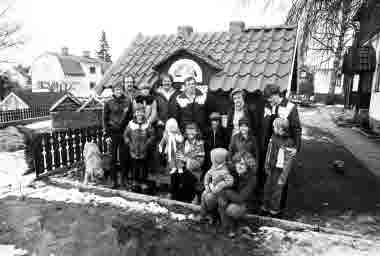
<point x="117" y="113"/>
<point x="278" y="106"/>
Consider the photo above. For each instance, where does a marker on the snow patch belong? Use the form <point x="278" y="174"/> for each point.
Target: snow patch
<point x="10" y="250"/>
<point x="50" y="193"/>
<point x="40" y="125"/>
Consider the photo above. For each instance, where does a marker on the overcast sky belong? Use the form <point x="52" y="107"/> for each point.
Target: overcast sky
<point x="50" y="24"/>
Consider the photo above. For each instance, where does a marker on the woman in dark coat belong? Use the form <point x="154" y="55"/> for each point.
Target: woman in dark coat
<point x="166" y="99"/>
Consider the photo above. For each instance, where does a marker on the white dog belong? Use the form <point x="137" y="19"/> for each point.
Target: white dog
<point x="93" y="162"/>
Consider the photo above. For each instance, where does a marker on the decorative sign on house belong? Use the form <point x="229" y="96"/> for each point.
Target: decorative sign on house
<point x="243" y="57"/>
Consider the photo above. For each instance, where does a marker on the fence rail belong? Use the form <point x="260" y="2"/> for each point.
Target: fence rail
<point x="23" y="114"/>
<point x="64" y="148"/>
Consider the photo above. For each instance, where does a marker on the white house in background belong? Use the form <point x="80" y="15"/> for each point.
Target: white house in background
<point x="65" y="72"/>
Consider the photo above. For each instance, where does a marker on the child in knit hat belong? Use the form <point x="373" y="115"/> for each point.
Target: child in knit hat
<point x="281" y="149"/>
<point x="171" y="143"/>
<point x="217" y="179"/>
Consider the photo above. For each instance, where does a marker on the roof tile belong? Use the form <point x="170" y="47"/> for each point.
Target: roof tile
<point x="249" y="59"/>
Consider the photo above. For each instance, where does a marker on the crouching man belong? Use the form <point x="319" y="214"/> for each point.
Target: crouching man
<point x="232" y="203"/>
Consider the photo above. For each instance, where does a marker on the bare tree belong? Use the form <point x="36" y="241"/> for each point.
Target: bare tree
<point x="9" y="32"/>
<point x="326" y="30"/>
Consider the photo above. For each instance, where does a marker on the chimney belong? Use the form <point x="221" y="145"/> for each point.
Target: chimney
<point x="237" y="26"/>
<point x="185" y="31"/>
<point x="86" y="54"/>
<point x="65" y="50"/>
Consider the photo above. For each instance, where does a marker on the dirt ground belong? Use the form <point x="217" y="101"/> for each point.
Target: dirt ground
<point x="39" y="227"/>
<point x="319" y="195"/>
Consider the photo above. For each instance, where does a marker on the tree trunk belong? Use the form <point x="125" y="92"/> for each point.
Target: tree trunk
<point x="336" y="73"/>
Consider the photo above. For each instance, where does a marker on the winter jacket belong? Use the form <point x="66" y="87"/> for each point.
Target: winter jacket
<point x="191" y="111"/>
<point x="273" y="157"/>
<point x="249" y="114"/>
<point x="117" y="112"/>
<point x="139" y="138"/>
<point x="241" y="144"/>
<point x="166" y="102"/>
<point x="195" y="153"/>
<point x="217" y="139"/>
<point x="219" y="177"/>
<point x="288" y="110"/>
<point x="244" y="186"/>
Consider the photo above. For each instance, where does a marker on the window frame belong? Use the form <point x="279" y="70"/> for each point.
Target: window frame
<point x="92" y="70"/>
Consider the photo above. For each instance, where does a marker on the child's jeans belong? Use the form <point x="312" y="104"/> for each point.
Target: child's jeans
<point x="209" y="202"/>
<point x="273" y="191"/>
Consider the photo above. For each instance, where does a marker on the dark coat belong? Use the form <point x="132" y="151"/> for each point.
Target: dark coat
<point x="241" y="144"/>
<point x="139" y="138"/>
<point x="244" y="186"/>
<point x="285" y="110"/>
<point x="251" y="115"/>
<point x="166" y="104"/>
<point x="191" y="111"/>
<point x="219" y="140"/>
<point x="117" y="112"/>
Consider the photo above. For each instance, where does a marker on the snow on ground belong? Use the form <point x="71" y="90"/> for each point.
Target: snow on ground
<point x="10" y="250"/>
<point x="40" y="125"/>
<point x="12" y="167"/>
<point x="51" y="193"/>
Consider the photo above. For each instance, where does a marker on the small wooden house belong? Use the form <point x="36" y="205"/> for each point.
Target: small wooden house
<point x="68" y="102"/>
<point x="242" y="57"/>
<point x="26" y="99"/>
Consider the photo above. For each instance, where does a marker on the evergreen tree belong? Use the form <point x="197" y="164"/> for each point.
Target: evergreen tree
<point x="103" y="52"/>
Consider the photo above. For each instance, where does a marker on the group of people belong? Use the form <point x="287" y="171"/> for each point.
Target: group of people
<point x="222" y="166"/>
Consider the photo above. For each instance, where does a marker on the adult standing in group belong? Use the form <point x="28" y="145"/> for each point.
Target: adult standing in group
<point x="117" y="113"/>
<point x="190" y="105"/>
<point x="130" y="87"/>
<point x="166" y="99"/>
<point x="278" y="106"/>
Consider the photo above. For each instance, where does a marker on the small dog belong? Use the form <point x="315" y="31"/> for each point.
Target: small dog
<point x="93" y="162"/>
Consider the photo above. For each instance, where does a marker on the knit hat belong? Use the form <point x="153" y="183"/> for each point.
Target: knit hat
<point x="218" y="156"/>
<point x="271" y="89"/>
<point x="243" y="120"/>
<point x="171" y="125"/>
<point x="215" y="116"/>
<point x="191" y="126"/>
<point x="235" y="91"/>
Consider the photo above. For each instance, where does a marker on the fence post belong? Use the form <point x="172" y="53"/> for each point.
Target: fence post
<point x="52" y="150"/>
<point x="44" y="154"/>
<point x="60" y="150"/>
<point x="80" y="145"/>
<point x="74" y="147"/>
<point x="67" y="148"/>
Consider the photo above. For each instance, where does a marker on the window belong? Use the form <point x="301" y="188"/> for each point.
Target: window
<point x="92" y="85"/>
<point x="92" y="70"/>
<point x="183" y="68"/>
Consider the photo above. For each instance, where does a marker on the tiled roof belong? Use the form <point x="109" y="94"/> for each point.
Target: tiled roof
<point x="71" y="63"/>
<point x="249" y="59"/>
<point x="35" y="99"/>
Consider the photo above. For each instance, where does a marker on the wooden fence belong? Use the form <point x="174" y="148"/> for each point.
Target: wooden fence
<point x="23" y="114"/>
<point x="64" y="148"/>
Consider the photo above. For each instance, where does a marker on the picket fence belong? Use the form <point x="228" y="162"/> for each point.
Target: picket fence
<point x="23" y="114"/>
<point x="61" y="149"/>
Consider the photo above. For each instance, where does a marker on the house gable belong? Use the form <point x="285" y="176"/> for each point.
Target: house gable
<point x="12" y="102"/>
<point x="250" y="58"/>
<point x="92" y="104"/>
<point x="67" y="103"/>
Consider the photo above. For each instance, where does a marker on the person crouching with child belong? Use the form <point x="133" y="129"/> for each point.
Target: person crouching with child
<point x="217" y="179"/>
<point x="281" y="150"/>
<point x="139" y="136"/>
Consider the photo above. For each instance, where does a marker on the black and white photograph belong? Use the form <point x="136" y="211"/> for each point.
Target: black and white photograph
<point x="190" y="127"/>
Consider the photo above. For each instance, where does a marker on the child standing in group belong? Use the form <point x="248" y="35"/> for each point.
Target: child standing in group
<point x="171" y="143"/>
<point x="139" y="136"/>
<point x="281" y="150"/>
<point x="217" y="179"/>
<point x="187" y="185"/>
